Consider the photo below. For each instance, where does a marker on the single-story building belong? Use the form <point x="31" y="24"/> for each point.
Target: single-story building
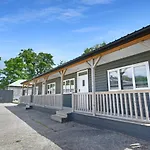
<point x="112" y="81"/>
<point x="17" y="89"/>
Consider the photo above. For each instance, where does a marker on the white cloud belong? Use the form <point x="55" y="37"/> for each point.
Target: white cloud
<point x="87" y="29"/>
<point x="93" y="2"/>
<point x="47" y="14"/>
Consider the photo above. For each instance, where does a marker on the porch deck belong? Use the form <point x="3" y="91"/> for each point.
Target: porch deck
<point x="131" y="106"/>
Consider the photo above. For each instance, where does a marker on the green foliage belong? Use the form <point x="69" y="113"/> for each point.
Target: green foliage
<point x="61" y="62"/>
<point x="87" y="50"/>
<point x="25" y="66"/>
<point x="43" y="63"/>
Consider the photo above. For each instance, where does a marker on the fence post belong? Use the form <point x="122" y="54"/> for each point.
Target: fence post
<point x="62" y="73"/>
<point x="72" y="102"/>
<point x="93" y="63"/>
<point x="93" y="90"/>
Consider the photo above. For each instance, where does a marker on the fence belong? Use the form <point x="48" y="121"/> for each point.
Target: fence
<point x="6" y="96"/>
<point x="52" y="101"/>
<point x="25" y="99"/>
<point x="127" y="105"/>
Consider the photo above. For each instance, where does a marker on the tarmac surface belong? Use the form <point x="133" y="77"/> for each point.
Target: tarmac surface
<point x="22" y="129"/>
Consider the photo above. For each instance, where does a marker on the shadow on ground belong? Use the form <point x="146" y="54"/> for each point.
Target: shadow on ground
<point x="74" y="136"/>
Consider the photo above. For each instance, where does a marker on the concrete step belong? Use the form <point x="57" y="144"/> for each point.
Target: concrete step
<point x="62" y="113"/>
<point x="59" y="118"/>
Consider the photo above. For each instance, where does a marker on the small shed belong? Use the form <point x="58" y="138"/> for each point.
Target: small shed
<point x="16" y="87"/>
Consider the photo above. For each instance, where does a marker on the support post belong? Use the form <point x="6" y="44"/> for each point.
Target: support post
<point x="34" y="89"/>
<point x="93" y="64"/>
<point x="72" y="102"/>
<point x="43" y="87"/>
<point x="23" y="90"/>
<point x="93" y="90"/>
<point x="27" y="89"/>
<point x="62" y="73"/>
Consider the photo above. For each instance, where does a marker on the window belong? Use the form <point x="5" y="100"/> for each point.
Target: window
<point x="83" y="82"/>
<point x="130" y="77"/>
<point x="126" y="78"/>
<point x="51" y="88"/>
<point x="113" y="76"/>
<point x="68" y="86"/>
<point x="83" y="73"/>
<point x="140" y="76"/>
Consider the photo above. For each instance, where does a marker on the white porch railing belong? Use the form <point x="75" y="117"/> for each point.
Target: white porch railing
<point x="127" y="105"/>
<point x="82" y="102"/>
<point x="51" y="101"/>
<point x="25" y="99"/>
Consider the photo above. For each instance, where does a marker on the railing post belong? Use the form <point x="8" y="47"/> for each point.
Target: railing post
<point x="93" y="91"/>
<point x="62" y="77"/>
<point x="72" y="102"/>
<point x="93" y="63"/>
<point x="62" y="73"/>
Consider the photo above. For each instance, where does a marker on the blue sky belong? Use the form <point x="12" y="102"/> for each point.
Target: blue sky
<point x="65" y="28"/>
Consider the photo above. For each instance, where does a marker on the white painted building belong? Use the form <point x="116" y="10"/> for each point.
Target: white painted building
<point x="17" y="89"/>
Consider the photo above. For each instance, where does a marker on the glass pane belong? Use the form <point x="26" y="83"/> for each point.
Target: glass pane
<point x="140" y="76"/>
<point x="126" y="78"/>
<point x="72" y="82"/>
<point x="64" y="83"/>
<point x="113" y="77"/>
<point x="83" y="82"/>
<point x="83" y="73"/>
<point x="67" y="82"/>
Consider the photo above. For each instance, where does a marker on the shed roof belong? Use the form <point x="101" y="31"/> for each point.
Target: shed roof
<point x="17" y="83"/>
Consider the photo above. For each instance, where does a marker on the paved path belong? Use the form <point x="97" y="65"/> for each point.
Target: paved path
<point x="22" y="129"/>
<point x="17" y="135"/>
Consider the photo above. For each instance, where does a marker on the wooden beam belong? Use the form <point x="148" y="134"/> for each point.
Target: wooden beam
<point x="97" y="61"/>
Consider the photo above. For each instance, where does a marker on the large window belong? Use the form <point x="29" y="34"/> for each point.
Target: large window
<point x="51" y="88"/>
<point x="130" y="77"/>
<point x="69" y="86"/>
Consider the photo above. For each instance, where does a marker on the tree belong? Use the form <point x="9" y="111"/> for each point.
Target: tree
<point x="26" y="65"/>
<point x="43" y="63"/>
<point x="87" y="50"/>
<point x="13" y="71"/>
<point x="28" y="57"/>
<point x="61" y="62"/>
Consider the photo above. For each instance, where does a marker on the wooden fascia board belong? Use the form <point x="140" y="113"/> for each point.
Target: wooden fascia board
<point x="93" y="57"/>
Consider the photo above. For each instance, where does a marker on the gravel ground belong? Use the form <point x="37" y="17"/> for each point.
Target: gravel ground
<point x="22" y="129"/>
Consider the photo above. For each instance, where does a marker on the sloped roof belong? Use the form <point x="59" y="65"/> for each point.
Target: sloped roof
<point x="125" y="39"/>
<point x="17" y="83"/>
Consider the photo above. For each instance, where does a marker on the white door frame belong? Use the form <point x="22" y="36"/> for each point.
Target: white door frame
<point x="78" y="79"/>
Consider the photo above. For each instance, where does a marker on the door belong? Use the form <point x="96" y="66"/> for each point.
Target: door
<point x="82" y="87"/>
<point x="82" y="82"/>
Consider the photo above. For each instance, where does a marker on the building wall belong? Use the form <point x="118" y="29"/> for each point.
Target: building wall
<point x="17" y="92"/>
<point x="101" y="71"/>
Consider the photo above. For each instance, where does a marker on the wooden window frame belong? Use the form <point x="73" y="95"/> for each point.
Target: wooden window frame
<point x="64" y="89"/>
<point x="50" y="89"/>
